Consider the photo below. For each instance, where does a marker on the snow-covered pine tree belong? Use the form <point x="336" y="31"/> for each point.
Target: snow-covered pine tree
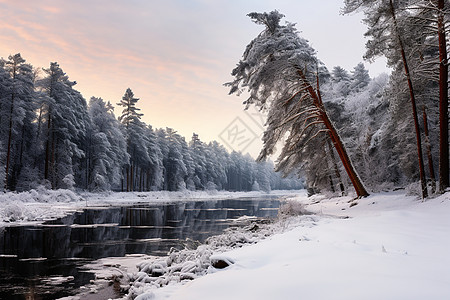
<point x="360" y="78"/>
<point x="342" y="81"/>
<point x="80" y="126"/>
<point x="211" y="168"/>
<point x="386" y="22"/>
<point x="130" y="113"/>
<point x="4" y="88"/>
<point x="189" y="162"/>
<point x="136" y="143"/>
<point x="234" y="172"/>
<point x="154" y="170"/>
<point x="278" y="69"/>
<point x="175" y="168"/>
<point x="65" y="124"/>
<point x="428" y="24"/>
<point x="17" y="116"/>
<point x="263" y="171"/>
<point x="443" y="28"/>
<point x="198" y="154"/>
<point x="221" y="160"/>
<point x="107" y="152"/>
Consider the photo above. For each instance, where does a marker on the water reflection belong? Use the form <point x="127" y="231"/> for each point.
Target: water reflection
<point x="41" y="262"/>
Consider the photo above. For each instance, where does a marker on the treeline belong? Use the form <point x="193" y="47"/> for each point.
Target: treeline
<point x="51" y="136"/>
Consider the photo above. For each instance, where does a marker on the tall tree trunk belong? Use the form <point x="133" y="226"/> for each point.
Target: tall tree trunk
<point x="429" y="155"/>
<point x="132" y="178"/>
<point x="88" y="162"/>
<point x="50" y="131"/>
<point x="335" y="139"/>
<point x="336" y="169"/>
<point x="141" y="181"/>
<point x="18" y="166"/>
<point x="36" y="139"/>
<point x="329" y="170"/>
<point x="47" y="147"/>
<point x="443" y="102"/>
<point x="8" y="154"/>
<point x="39" y="121"/>
<point x="413" y="104"/>
<point x="22" y="146"/>
<point x="53" y="168"/>
<point x="11" y="111"/>
<point x="128" y="178"/>
<point x="122" y="181"/>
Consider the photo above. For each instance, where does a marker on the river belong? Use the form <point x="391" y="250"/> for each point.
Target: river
<point x="46" y="261"/>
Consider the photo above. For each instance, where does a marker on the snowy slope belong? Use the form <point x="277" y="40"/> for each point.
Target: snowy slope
<point x="390" y="247"/>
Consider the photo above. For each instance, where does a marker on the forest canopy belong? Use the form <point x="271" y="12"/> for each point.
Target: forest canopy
<point x="51" y="136"/>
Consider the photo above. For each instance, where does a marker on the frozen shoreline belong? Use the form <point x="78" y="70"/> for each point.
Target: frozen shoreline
<point x="387" y="246"/>
<point x="148" y="273"/>
<point x="37" y="206"/>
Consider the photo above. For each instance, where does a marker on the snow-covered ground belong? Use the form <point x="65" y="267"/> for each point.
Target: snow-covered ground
<point x="386" y="246"/>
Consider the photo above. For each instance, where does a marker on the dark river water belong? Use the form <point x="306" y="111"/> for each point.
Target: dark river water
<point x="31" y="257"/>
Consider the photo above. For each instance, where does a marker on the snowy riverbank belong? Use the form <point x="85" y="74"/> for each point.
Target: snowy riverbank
<point x="391" y="246"/>
<point x="386" y="246"/>
<point x="42" y="204"/>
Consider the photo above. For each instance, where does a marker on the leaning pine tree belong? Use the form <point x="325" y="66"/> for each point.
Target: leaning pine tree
<point x="276" y="69"/>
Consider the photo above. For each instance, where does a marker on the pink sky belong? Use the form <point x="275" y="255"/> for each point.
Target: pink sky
<point x="174" y="55"/>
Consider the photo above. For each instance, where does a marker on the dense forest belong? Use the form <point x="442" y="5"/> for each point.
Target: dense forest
<point x="335" y="128"/>
<point x="341" y="128"/>
<point x="50" y="136"/>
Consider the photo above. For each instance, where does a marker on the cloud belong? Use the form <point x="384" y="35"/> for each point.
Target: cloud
<point x="51" y="9"/>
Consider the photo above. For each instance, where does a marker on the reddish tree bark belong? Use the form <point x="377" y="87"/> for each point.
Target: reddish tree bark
<point x="413" y="104"/>
<point x="336" y="169"/>
<point x="428" y="146"/>
<point x="443" y="102"/>
<point x="335" y="139"/>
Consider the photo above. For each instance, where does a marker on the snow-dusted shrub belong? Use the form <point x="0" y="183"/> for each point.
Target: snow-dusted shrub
<point x="99" y="184"/>
<point x="190" y="184"/>
<point x="182" y="186"/>
<point x="210" y="186"/>
<point x="69" y="181"/>
<point x="414" y="189"/>
<point x="13" y="211"/>
<point x="188" y="264"/>
<point x="178" y="266"/>
<point x="16" y="206"/>
<point x="42" y="194"/>
<point x="292" y="208"/>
